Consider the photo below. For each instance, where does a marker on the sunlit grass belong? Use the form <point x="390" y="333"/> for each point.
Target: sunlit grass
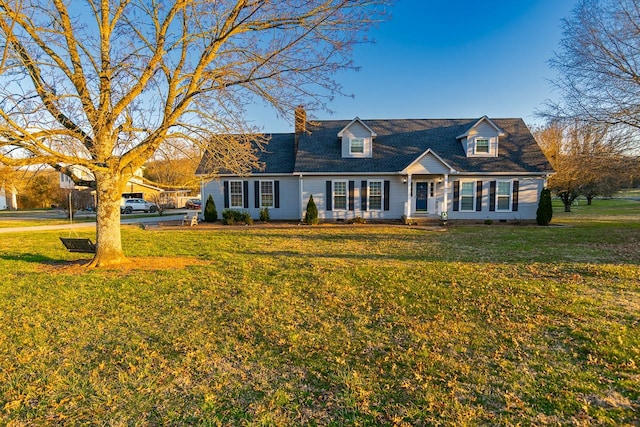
<point x="478" y="325"/>
<point x="601" y="211"/>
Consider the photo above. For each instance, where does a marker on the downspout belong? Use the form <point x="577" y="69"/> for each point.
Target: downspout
<point x="202" y="201"/>
<point x="301" y="199"/>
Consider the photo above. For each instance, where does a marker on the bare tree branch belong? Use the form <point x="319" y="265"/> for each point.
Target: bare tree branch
<point x="599" y="65"/>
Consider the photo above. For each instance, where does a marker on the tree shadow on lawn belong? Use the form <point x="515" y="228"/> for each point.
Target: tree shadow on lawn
<point x="38" y="258"/>
<point x="468" y="247"/>
<point x="525" y="258"/>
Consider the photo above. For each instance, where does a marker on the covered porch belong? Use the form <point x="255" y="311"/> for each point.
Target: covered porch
<point x="427" y="195"/>
<point x="427" y="180"/>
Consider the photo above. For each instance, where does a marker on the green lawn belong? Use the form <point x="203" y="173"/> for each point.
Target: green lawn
<point x="11" y="219"/>
<point x="353" y="325"/>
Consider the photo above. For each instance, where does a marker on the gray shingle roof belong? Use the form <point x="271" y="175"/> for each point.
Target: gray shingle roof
<point x="278" y="157"/>
<point x="398" y="144"/>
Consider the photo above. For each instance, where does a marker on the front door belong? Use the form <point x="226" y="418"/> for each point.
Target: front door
<point x="422" y="196"/>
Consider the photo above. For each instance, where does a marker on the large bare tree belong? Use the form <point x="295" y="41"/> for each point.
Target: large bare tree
<point x="103" y="83"/>
<point x="598" y="65"/>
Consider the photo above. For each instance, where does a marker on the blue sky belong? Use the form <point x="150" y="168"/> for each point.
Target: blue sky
<point x="448" y="59"/>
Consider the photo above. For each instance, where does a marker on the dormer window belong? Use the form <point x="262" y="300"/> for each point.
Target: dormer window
<point x="482" y="146"/>
<point x="356" y="145"/>
<point x="357" y="140"/>
<point x="482" y="139"/>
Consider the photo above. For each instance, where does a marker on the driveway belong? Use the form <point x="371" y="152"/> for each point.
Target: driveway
<point x="172" y="216"/>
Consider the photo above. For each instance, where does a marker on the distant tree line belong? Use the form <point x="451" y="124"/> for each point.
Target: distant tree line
<point x="588" y="160"/>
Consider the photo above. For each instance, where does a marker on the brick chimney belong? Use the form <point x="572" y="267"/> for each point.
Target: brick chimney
<point x="300" y="124"/>
<point x="301" y="120"/>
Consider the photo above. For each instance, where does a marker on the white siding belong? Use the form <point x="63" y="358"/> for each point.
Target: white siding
<point x="289" y="196"/>
<point x="428" y="165"/>
<point x="290" y="208"/>
<point x="483" y="129"/>
<point x="528" y="195"/>
<point x="317" y="185"/>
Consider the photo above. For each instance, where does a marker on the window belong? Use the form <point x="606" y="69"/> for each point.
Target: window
<point x="482" y="145"/>
<point x="375" y="196"/>
<point x="467" y="195"/>
<point x="236" y="195"/>
<point x="356" y="145"/>
<point x="339" y="195"/>
<point x="266" y="194"/>
<point x="503" y="195"/>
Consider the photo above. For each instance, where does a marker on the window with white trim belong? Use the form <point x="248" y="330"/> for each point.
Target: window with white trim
<point x="266" y="194"/>
<point x="467" y="195"/>
<point x="503" y="195"/>
<point x="339" y="195"/>
<point x="236" y="194"/>
<point x="356" y="145"/>
<point x="374" y="196"/>
<point x="482" y="146"/>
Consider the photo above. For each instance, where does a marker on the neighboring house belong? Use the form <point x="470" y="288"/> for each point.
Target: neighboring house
<point x="8" y="197"/>
<point x="136" y="186"/>
<point x="176" y="198"/>
<point x="466" y="169"/>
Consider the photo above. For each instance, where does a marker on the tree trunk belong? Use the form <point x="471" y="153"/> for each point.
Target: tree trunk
<point x="566" y="201"/>
<point x="108" y="240"/>
<point x="589" y="198"/>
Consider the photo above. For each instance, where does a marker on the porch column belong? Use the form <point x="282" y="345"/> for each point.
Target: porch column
<point x="407" y="206"/>
<point x="446" y="194"/>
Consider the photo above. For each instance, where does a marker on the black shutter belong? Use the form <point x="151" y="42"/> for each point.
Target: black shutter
<point x="479" y="196"/>
<point x="363" y="195"/>
<point x="492" y="196"/>
<point x="456" y="196"/>
<point x="352" y="188"/>
<point x="245" y="188"/>
<point x="256" y="196"/>
<point x="226" y="194"/>
<point x="276" y="194"/>
<point x="387" y="185"/>
<point x="329" y="195"/>
<point x="516" y="190"/>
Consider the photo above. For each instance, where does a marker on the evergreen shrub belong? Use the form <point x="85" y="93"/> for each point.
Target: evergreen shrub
<point x="311" y="217"/>
<point x="264" y="215"/>
<point x="210" y="211"/>
<point x="232" y="216"/>
<point x="545" y="209"/>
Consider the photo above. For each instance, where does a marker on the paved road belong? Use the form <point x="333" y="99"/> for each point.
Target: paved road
<point x="173" y="216"/>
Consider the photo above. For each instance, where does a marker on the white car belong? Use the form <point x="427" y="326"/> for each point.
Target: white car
<point x="131" y="205"/>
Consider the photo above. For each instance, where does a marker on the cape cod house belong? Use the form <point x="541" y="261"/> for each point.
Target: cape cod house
<point x="463" y="169"/>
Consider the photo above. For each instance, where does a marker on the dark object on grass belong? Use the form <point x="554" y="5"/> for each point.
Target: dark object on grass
<point x="78" y="245"/>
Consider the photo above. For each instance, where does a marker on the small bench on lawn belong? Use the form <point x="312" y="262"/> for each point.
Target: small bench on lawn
<point x="79" y="245"/>
<point x="190" y="221"/>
